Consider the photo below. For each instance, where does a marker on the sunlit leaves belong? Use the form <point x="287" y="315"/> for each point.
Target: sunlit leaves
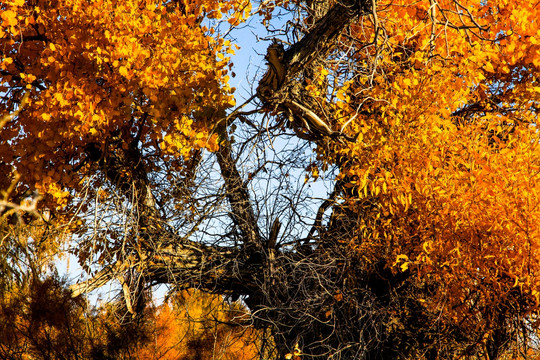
<point x="195" y="324"/>
<point x="445" y="167"/>
<point x="110" y="70"/>
<point x="40" y="319"/>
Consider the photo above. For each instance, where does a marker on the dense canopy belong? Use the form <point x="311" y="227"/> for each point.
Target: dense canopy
<point x="374" y="197"/>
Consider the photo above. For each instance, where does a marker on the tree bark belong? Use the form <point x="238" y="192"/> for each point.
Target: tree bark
<point x="324" y="34"/>
<point x="238" y="195"/>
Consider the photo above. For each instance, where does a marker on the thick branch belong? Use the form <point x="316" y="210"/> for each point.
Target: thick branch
<point x="320" y="40"/>
<point x="277" y="88"/>
<point x="283" y="67"/>
<point x="186" y="264"/>
<point x="238" y="195"/>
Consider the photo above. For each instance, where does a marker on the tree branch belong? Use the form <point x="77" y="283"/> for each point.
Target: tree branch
<point x="321" y="39"/>
<point x="186" y="264"/>
<point x="238" y="195"/>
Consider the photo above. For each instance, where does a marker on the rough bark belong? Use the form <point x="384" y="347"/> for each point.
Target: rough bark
<point x="238" y="195"/>
<point x="186" y="265"/>
<point x="323" y="35"/>
<point x="279" y="88"/>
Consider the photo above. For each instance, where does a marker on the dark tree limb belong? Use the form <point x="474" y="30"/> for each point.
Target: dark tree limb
<point x="324" y="34"/>
<point x="238" y="195"/>
<point x="277" y="88"/>
<point x="186" y="264"/>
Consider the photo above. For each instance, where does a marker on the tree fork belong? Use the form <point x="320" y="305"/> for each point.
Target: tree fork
<point x="176" y="260"/>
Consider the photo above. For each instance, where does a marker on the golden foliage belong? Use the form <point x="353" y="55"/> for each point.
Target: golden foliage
<point x="445" y="169"/>
<point x="196" y="325"/>
<point x="440" y="97"/>
<point x="101" y="72"/>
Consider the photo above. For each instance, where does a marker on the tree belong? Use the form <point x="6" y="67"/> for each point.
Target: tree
<point x="41" y="320"/>
<point x="184" y="328"/>
<point x="419" y="118"/>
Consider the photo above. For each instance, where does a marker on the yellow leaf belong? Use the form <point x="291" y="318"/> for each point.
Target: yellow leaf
<point x="123" y="71"/>
<point x="404" y="266"/>
<point x="9" y="17"/>
<point x="427" y="246"/>
<point x="402" y="257"/>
